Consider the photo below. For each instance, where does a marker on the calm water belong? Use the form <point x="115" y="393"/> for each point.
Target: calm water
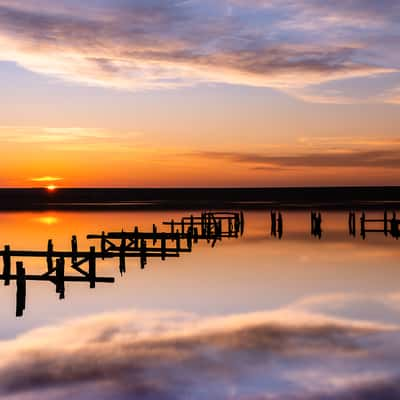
<point x="253" y="318"/>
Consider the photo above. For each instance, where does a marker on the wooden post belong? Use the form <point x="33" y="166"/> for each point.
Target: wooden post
<point x="49" y="257"/>
<point x="21" y="289"/>
<point x="192" y="223"/>
<point x="189" y="238"/>
<point x="60" y="274"/>
<point x="92" y="267"/>
<point x="273" y="223"/>
<point x="103" y="244"/>
<point x="6" y="265"/>
<point x="178" y="241"/>
<point x="122" y="249"/>
<point x="362" y="221"/>
<point x="143" y="250"/>
<point x="280" y="226"/>
<point x="195" y="235"/>
<point x="241" y="223"/>
<point x="352" y="223"/>
<point x="163" y="247"/>
<point x="154" y="234"/>
<point x="237" y="223"/>
<point x="136" y="241"/>
<point x="74" y="249"/>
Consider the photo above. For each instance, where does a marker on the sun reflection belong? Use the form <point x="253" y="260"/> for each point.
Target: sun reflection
<point x="47" y="220"/>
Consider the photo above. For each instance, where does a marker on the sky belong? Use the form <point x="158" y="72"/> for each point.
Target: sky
<point x="165" y="93"/>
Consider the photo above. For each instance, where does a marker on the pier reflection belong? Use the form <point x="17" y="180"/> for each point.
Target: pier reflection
<point x="209" y="227"/>
<point x="171" y="239"/>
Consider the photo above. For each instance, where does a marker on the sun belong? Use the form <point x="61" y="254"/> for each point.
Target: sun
<point x="51" y="188"/>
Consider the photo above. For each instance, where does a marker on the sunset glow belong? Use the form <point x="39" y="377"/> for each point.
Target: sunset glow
<point x="200" y="199"/>
<point x="209" y="97"/>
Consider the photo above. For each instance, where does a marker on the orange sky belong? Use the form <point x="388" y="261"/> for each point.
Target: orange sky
<point x="206" y="95"/>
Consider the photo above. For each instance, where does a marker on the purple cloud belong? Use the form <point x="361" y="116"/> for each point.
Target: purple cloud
<point x="155" y="44"/>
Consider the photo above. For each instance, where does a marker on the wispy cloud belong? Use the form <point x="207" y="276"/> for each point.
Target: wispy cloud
<point x="336" y="158"/>
<point x="71" y="138"/>
<point x="37" y="134"/>
<point x="162" y="44"/>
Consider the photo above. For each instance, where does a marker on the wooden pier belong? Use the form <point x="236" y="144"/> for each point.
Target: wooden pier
<point x="122" y="245"/>
<point x="380" y="225"/>
<point x="54" y="273"/>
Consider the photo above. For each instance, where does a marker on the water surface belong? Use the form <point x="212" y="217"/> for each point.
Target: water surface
<point x="252" y="318"/>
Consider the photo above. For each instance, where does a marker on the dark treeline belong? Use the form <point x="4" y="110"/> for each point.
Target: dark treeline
<point x="244" y="198"/>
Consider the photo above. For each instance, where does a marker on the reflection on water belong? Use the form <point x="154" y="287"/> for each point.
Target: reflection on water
<point x="210" y="227"/>
<point x="47" y="220"/>
<point x="314" y="315"/>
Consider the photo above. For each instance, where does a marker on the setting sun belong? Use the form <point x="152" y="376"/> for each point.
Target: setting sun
<point x="51" y="188"/>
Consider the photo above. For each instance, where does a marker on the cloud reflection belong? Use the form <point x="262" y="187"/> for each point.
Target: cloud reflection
<point x="265" y="355"/>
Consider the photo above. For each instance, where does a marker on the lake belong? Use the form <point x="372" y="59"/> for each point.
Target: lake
<point x="253" y="317"/>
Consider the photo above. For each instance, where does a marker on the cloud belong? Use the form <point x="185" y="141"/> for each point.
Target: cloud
<point x="71" y="138"/>
<point x="37" y="134"/>
<point x="162" y="44"/>
<point x="381" y="158"/>
<point x="178" y="356"/>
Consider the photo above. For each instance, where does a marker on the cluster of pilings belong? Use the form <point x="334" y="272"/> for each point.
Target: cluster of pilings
<point x="316" y="224"/>
<point x="209" y="226"/>
<point x="387" y="226"/>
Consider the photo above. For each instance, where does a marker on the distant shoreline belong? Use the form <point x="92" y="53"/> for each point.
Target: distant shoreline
<point x="228" y="198"/>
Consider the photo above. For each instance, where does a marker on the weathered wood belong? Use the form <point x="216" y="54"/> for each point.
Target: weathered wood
<point x="92" y="267"/>
<point x="143" y="255"/>
<point x="42" y="278"/>
<point x="6" y="265"/>
<point x="21" y="289"/>
<point x="74" y="249"/>
<point x="60" y="275"/>
<point x="122" y="251"/>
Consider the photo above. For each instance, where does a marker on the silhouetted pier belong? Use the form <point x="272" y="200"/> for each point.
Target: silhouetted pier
<point x="385" y="225"/>
<point x="55" y="273"/>
<point x="122" y="245"/>
<point x="209" y="226"/>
